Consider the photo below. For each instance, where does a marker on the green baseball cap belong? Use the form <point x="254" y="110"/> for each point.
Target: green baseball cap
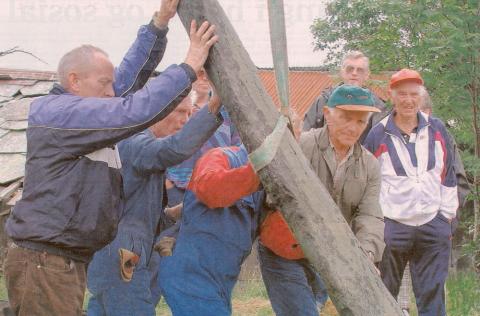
<point x="352" y="98"/>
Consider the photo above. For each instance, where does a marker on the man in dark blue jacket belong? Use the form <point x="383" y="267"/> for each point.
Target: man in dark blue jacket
<point x="118" y="276"/>
<point x="72" y="198"/>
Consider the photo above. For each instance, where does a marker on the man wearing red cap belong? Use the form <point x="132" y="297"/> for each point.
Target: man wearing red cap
<point x="418" y="194"/>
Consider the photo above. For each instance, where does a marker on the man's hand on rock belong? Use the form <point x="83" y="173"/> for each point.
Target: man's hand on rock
<point x="201" y="40"/>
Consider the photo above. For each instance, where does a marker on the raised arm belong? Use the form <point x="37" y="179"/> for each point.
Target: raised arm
<point x="155" y="155"/>
<point x="87" y="124"/>
<point x="146" y="52"/>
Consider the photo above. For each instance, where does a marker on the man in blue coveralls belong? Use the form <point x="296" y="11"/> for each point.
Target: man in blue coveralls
<point x="218" y="226"/>
<point x="118" y="276"/>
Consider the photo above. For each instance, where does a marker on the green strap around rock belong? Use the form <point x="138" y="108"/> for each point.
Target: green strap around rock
<point x="264" y="154"/>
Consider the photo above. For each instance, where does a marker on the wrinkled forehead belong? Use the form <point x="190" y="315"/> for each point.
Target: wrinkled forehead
<point x="408" y="87"/>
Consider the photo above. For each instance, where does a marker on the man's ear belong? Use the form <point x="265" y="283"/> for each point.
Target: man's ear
<point x="73" y="82"/>
<point x="326" y="114"/>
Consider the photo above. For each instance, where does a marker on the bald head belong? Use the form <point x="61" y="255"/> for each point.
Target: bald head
<point x="86" y="71"/>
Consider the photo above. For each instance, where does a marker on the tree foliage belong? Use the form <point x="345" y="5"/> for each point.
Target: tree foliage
<point x="440" y="38"/>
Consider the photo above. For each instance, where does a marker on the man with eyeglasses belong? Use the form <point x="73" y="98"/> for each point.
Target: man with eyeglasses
<point x="354" y="71"/>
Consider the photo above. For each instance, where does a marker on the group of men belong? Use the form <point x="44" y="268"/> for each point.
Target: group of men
<point x="131" y="195"/>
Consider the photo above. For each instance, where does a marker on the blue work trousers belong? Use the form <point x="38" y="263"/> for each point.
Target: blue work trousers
<point x="293" y="286"/>
<point x="427" y="248"/>
<point x="111" y="295"/>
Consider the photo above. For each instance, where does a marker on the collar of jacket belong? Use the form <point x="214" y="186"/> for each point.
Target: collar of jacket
<point x="323" y="142"/>
<point x="392" y="128"/>
<point x="57" y="89"/>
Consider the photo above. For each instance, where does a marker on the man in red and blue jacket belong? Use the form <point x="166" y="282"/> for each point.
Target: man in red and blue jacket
<point x="221" y="213"/>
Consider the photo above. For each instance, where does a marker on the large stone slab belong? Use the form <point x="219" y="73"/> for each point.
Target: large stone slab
<point x="5" y="99"/>
<point x="39" y="88"/>
<point x="13" y="142"/>
<point x="9" y="90"/>
<point x="13" y="167"/>
<point x="16" y="110"/>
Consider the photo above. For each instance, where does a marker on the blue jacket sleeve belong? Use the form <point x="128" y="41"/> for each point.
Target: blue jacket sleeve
<point x="141" y="60"/>
<point x="84" y="125"/>
<point x="369" y="142"/>
<point x="158" y="154"/>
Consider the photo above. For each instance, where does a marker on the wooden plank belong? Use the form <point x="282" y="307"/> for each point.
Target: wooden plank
<point x="327" y="240"/>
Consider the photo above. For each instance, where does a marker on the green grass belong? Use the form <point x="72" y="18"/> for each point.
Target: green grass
<point x="463" y="295"/>
<point x="250" y="297"/>
<point x="3" y="289"/>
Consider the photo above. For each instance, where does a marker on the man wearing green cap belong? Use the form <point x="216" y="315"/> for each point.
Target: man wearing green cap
<point x="352" y="176"/>
<point x="354" y="71"/>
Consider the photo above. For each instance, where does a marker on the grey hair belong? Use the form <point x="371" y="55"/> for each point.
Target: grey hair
<point x="77" y="57"/>
<point x="356" y="54"/>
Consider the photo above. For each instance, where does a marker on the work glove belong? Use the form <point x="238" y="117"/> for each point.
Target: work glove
<point x="164" y="246"/>
<point x="128" y="261"/>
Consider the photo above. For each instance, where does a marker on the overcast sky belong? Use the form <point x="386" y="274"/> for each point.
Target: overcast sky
<point x="49" y="28"/>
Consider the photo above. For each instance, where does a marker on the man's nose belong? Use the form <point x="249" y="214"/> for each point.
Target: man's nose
<point x="109" y="92"/>
<point x="409" y="99"/>
<point x="184" y="118"/>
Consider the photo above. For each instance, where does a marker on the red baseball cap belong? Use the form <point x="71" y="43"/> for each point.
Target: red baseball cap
<point x="405" y="75"/>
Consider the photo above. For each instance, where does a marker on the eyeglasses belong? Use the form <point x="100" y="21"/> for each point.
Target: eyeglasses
<point x="359" y="70"/>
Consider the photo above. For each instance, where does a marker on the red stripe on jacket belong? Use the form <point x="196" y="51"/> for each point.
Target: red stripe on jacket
<point x="438" y="137"/>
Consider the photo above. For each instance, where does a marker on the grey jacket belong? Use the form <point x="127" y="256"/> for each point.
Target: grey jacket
<point x="358" y="198"/>
<point x="314" y="117"/>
